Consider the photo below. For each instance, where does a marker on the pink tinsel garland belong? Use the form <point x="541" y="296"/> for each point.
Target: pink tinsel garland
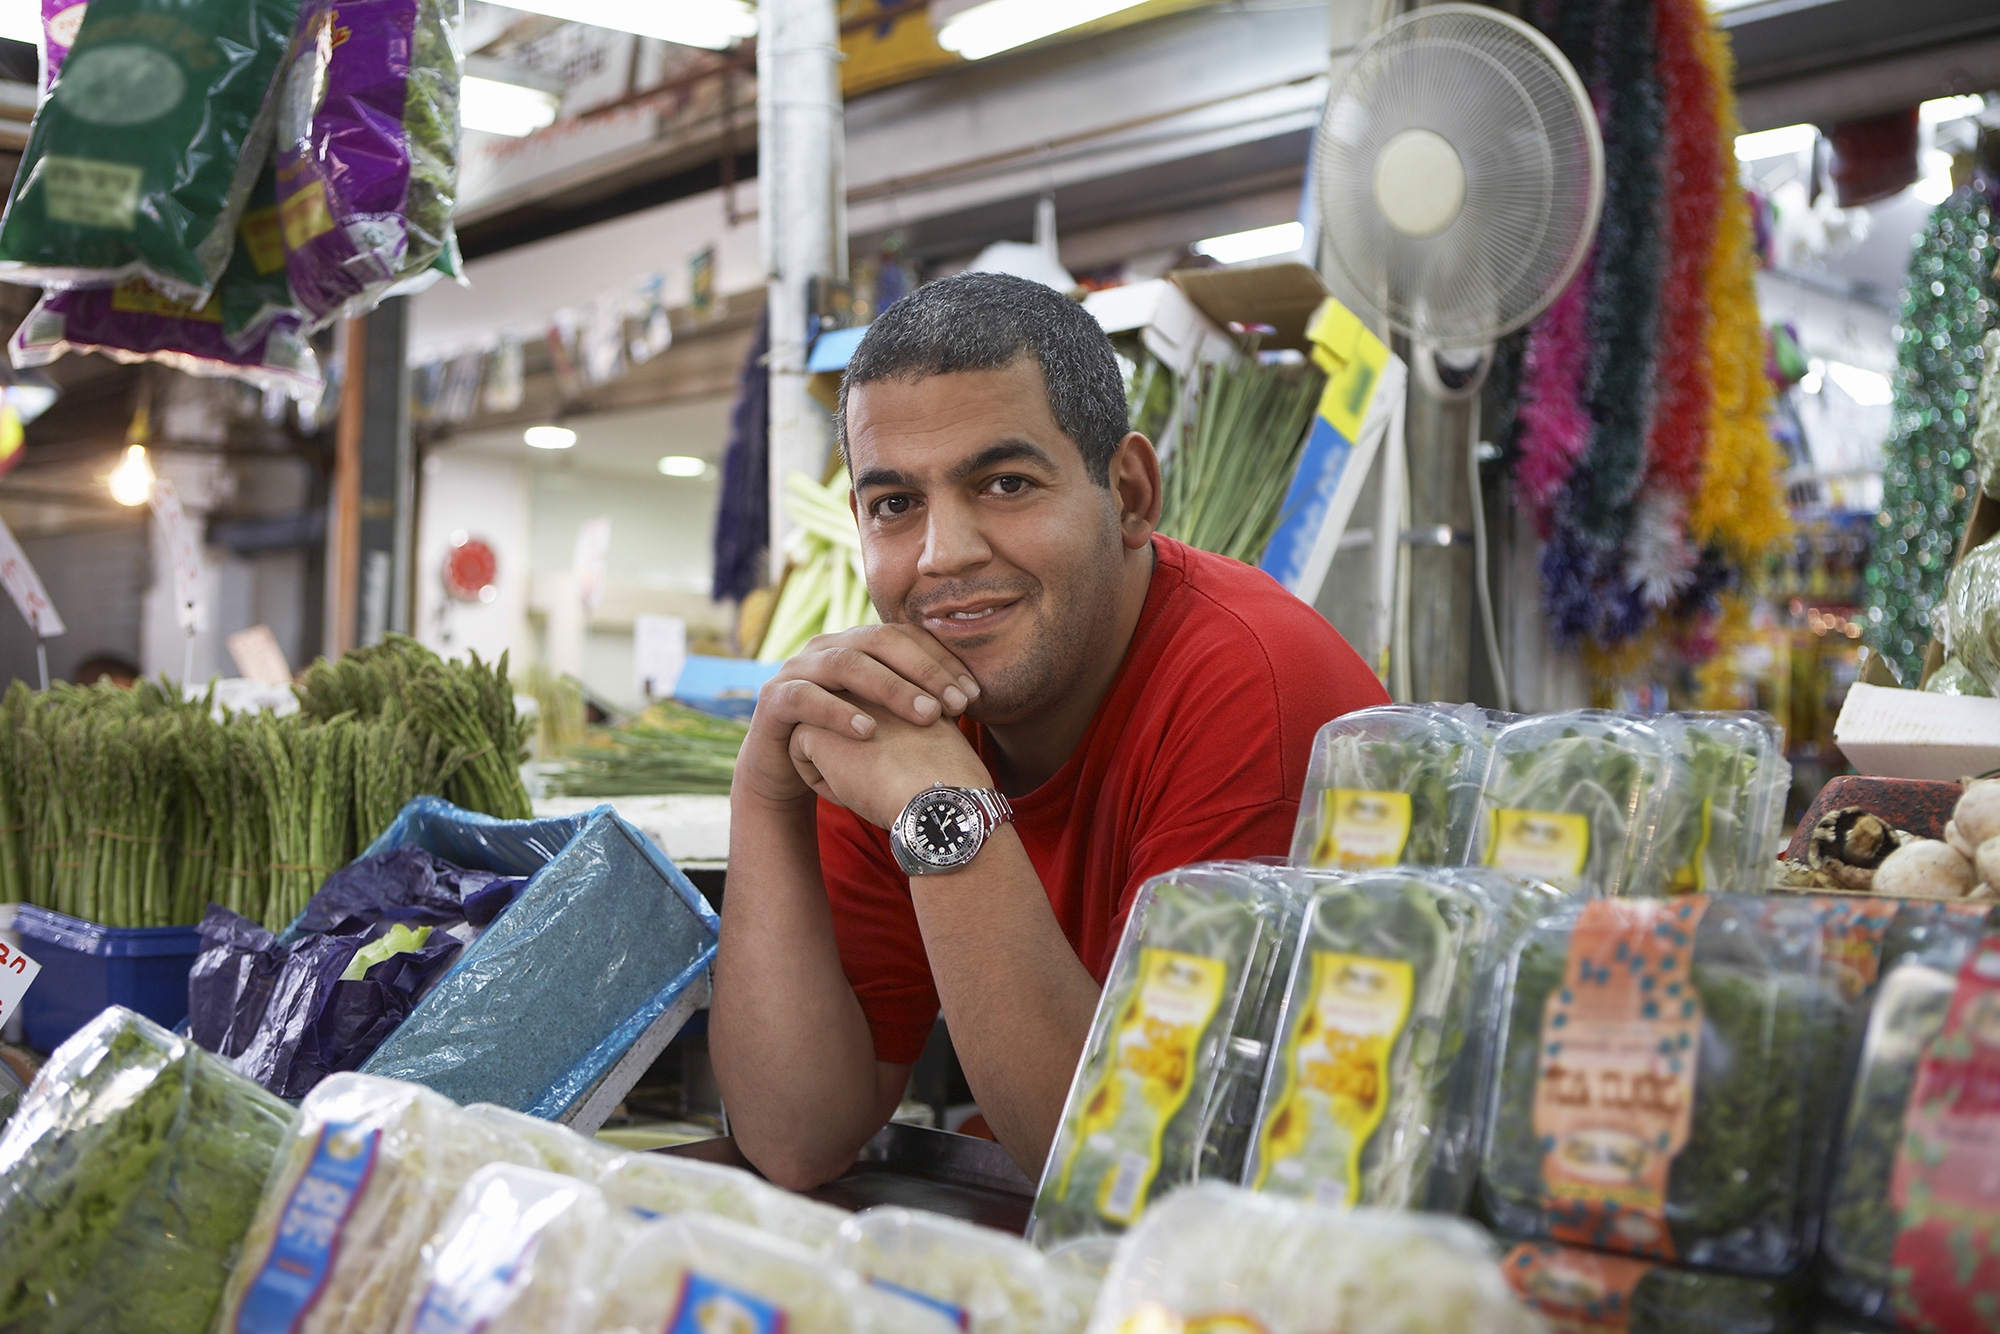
<point x="1555" y="426"/>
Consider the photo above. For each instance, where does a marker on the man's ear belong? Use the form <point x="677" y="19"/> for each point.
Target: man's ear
<point x="1135" y="487"/>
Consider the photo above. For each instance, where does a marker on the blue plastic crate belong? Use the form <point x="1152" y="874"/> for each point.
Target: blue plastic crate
<point x="86" y="967"/>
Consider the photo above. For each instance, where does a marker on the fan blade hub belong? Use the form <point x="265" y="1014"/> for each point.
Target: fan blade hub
<point x="1419" y="183"/>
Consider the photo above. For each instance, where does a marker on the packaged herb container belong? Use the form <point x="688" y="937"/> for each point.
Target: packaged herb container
<point x="1661" y="1075"/>
<point x="1221" y="1258"/>
<point x="1191" y="976"/>
<point x="1388" y="785"/>
<point x="984" y="1281"/>
<point x="1713" y="834"/>
<point x="127" y="1177"/>
<point x="1576" y="799"/>
<point x="1381" y="995"/>
<point x="1575" y="1289"/>
<point x="1925" y="1039"/>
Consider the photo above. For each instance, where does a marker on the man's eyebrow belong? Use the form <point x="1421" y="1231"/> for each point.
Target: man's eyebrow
<point x="1006" y="451"/>
<point x="884" y="477"/>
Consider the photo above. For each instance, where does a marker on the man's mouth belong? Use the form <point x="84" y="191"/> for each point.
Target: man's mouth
<point x="961" y="616"/>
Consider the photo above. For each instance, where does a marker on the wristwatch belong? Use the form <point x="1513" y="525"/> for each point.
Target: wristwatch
<point x="943" y="827"/>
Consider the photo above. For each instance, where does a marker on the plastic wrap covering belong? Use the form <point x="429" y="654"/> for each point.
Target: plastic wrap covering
<point x="604" y="939"/>
<point x="1578" y="1289"/>
<point x="1954" y="678"/>
<point x="1576" y="799"/>
<point x="368" y="144"/>
<point x="1399" y="783"/>
<point x="141" y="159"/>
<point x="368" y="1172"/>
<point x="1201" y="951"/>
<point x="468" y="838"/>
<point x="1713" y="1018"/>
<point x="1986" y="430"/>
<point x="1969" y="619"/>
<point x="559" y="1148"/>
<point x="1381" y="995"/>
<point x="693" y="1272"/>
<point x="984" y="1281"/>
<point x="127" y="1178"/>
<point x="132" y="323"/>
<point x="1717" y="825"/>
<point x="1216" y="1257"/>
<point x="519" y="1252"/>
<point x="656" y="1184"/>
<point x="11" y="1089"/>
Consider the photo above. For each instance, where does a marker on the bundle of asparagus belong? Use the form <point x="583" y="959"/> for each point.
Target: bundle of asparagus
<point x="1225" y="484"/>
<point x="670" y="748"/>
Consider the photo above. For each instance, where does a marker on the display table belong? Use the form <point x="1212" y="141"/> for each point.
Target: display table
<point x="694" y="831"/>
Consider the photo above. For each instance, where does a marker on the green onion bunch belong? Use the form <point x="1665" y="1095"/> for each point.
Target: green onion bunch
<point x="670" y="748"/>
<point x="1232" y="465"/>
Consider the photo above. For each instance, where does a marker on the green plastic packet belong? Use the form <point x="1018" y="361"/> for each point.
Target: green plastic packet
<point x="142" y="157"/>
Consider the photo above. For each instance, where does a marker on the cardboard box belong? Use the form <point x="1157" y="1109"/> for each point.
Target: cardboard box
<point x="1910" y="734"/>
<point x="1283" y="296"/>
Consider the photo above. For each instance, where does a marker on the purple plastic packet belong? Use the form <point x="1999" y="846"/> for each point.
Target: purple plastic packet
<point x="60" y="21"/>
<point x="230" y="984"/>
<point x="406" y="885"/>
<point x="134" y="323"/>
<point x="357" y="1015"/>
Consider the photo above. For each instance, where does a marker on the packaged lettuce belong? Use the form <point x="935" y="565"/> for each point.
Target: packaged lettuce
<point x="368" y="145"/>
<point x="656" y="1184"/>
<point x="1191" y="975"/>
<point x="1218" y="1257"/>
<point x="1576" y="799"/>
<point x="1574" y="1289"/>
<point x="1398" y="783"/>
<point x="142" y="156"/>
<point x="1381" y="995"/>
<point x="369" y="1170"/>
<point x="1900" y="1171"/>
<point x="1660" y="1081"/>
<point x="558" y="1148"/>
<point x="1717" y="825"/>
<point x="981" y="1280"/>
<point x="127" y="1177"/>
<point x="520" y="1251"/>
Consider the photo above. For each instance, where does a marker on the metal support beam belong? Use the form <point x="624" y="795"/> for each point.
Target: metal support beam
<point x="372" y="528"/>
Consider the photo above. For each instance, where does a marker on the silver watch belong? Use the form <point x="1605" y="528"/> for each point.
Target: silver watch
<point x="943" y="827"/>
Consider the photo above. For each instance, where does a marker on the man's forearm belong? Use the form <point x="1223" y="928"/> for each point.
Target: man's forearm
<point x="793" y="1055"/>
<point x="1016" y="998"/>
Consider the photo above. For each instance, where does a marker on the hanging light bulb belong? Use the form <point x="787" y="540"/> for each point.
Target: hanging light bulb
<point x="132" y="479"/>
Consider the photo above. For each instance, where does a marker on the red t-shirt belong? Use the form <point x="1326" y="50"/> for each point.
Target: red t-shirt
<point x="1198" y="751"/>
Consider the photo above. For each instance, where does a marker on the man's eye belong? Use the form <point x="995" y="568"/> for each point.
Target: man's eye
<point x="1009" y="486"/>
<point x="890" y="506"/>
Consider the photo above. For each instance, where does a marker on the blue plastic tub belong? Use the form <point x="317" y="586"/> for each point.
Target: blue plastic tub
<point x="86" y="967"/>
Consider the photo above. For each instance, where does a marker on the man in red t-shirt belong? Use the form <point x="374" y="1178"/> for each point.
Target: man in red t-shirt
<point x="953" y="810"/>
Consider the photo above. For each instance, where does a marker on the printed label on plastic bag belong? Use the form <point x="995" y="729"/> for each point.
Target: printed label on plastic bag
<point x="295" y="1272"/>
<point x="468" y="1307"/>
<point x="1547" y="845"/>
<point x="1156" y="1317"/>
<point x="91" y="193"/>
<point x="1946" y="1261"/>
<point x="1575" y="1292"/>
<point x="1851" y="933"/>
<point x="1337" y="1080"/>
<point x="1614" y="1101"/>
<point x="1692" y="877"/>
<point x="709" y="1307"/>
<point x="1361" y="829"/>
<point x="1151" y="1075"/>
<point x="958" y="1315"/>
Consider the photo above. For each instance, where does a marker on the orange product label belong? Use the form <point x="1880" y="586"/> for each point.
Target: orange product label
<point x="1575" y="1292"/>
<point x="1614" y="1100"/>
<point x="304" y="215"/>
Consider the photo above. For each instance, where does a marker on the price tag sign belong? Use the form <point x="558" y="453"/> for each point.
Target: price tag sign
<point x="25" y="587"/>
<point x="182" y="549"/>
<point x="17" y="974"/>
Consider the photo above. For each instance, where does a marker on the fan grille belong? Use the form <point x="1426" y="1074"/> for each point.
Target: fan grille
<point x="1505" y="99"/>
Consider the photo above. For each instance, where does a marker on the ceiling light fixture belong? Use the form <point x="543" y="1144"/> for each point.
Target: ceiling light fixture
<point x="1257" y="243"/>
<point x="1001" y="25"/>
<point x="1940" y="109"/>
<point x="714" y="24"/>
<point x="1935" y="187"/>
<point x="21" y="21"/>
<point x="132" y="480"/>
<point x="504" y="108"/>
<point x="1784" y="141"/>
<point x="682" y="465"/>
<point x="549" y="437"/>
<point x="1870" y="389"/>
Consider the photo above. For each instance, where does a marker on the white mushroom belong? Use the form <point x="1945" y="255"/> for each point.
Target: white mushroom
<point x="1958" y="841"/>
<point x="1988" y="864"/>
<point x="1926" y="869"/>
<point x="1977" y="814"/>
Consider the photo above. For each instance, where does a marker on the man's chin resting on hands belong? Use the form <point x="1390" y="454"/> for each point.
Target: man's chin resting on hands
<point x="950" y="813"/>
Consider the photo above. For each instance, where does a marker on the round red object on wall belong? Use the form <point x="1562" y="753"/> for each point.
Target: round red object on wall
<point x="470" y="570"/>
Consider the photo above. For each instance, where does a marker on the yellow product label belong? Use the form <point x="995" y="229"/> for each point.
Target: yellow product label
<point x="1336" y="1067"/>
<point x="304" y="215"/>
<point x="1156" y="1317"/>
<point x="136" y="298"/>
<point x="1152" y="1071"/>
<point x="1693" y="877"/>
<point x="90" y="193"/>
<point x="263" y="238"/>
<point x="1548" y="845"/>
<point x="1359" y="828"/>
<point x="1352" y="358"/>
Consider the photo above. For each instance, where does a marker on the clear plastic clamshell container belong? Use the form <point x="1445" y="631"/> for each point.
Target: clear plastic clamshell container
<point x="984" y="1281"/>
<point x="1390" y="785"/>
<point x="655" y="1184"/>
<point x="1576" y="799"/>
<point x="1220" y="1258"/>
<point x="1575" y="1289"/>
<point x="1719" y="820"/>
<point x="1663" y="1072"/>
<point x="1171" y="1052"/>
<point x="1381" y="996"/>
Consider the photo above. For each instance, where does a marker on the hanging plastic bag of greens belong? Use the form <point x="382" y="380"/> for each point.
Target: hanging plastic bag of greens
<point x="1968" y="620"/>
<point x="368" y="143"/>
<point x="141" y="158"/>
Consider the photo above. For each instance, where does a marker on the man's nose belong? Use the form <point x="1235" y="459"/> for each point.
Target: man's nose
<point x="953" y="543"/>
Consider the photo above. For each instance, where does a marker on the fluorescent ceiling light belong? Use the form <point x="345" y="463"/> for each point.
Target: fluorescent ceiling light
<point x="1868" y="388"/>
<point x="21" y="20"/>
<point x="1255" y="244"/>
<point x="1935" y="187"/>
<point x="682" y="465"/>
<point x="549" y="437"/>
<point x="1781" y="142"/>
<point x="1002" y="25"/>
<point x="715" y="24"/>
<point x="504" y="108"/>
<point x="132" y="479"/>
<point x="1950" y="108"/>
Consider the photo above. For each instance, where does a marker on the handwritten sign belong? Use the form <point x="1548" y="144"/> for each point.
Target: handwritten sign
<point x="182" y="550"/>
<point x="17" y="974"/>
<point x="25" y="587"/>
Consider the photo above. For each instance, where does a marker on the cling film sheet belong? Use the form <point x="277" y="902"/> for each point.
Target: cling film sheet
<point x="1398" y="783"/>
<point x="984" y="1281"/>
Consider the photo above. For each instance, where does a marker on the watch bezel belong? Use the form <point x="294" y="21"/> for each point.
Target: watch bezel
<point x="968" y="809"/>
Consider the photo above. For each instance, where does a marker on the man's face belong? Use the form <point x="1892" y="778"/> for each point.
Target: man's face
<point x="980" y="523"/>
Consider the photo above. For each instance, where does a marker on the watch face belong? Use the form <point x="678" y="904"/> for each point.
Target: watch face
<point x="942" y="828"/>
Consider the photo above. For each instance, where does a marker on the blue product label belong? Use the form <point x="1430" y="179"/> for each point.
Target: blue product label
<point x="958" y="1315"/>
<point x="708" y="1307"/>
<point x="301" y="1257"/>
